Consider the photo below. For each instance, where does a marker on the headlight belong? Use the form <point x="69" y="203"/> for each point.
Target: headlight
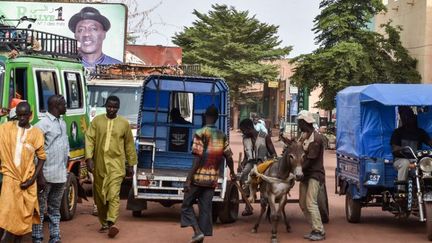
<point x="426" y="164"/>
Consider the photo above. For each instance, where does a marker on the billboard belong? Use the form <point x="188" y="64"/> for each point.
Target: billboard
<point x="156" y="55"/>
<point x="100" y="29"/>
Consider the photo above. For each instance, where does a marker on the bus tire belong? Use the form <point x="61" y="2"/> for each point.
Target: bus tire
<point x="70" y="198"/>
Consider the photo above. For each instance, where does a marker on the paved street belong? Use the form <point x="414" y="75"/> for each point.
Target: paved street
<point x="160" y="224"/>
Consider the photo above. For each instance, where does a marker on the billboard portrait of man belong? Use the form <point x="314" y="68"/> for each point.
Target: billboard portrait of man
<point x="90" y="28"/>
<point x="97" y="27"/>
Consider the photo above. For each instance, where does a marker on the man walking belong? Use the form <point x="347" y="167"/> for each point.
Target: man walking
<point x="258" y="147"/>
<point x="314" y="174"/>
<point x="19" y="144"/>
<point x="109" y="146"/>
<point x="52" y="180"/>
<point x="209" y="147"/>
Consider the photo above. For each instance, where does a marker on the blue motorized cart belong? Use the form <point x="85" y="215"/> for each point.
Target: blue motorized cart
<point x="366" y="118"/>
<point x="164" y="144"/>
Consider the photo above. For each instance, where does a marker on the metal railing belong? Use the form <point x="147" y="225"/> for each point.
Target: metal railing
<point x="136" y="71"/>
<point x="33" y="41"/>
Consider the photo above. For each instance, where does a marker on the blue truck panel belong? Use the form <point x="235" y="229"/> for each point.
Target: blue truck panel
<point x="166" y="160"/>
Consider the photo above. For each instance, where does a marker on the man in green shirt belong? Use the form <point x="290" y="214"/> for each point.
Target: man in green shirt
<point x="109" y="147"/>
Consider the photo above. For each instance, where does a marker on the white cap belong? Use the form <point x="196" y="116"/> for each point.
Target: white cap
<point x="306" y="116"/>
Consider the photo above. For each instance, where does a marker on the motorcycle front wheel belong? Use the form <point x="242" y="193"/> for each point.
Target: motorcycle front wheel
<point x="428" y="210"/>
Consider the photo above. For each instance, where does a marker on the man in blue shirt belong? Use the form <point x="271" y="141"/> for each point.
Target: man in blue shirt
<point x="51" y="183"/>
<point x="90" y="29"/>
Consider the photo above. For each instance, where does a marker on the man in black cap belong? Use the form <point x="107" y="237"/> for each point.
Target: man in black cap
<point x="210" y="146"/>
<point x="90" y="29"/>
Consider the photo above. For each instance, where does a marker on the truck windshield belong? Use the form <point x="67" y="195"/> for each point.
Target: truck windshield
<point x="129" y="100"/>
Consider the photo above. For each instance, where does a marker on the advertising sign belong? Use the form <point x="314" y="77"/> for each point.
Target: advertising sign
<point x="273" y="84"/>
<point x="293" y="90"/>
<point x="100" y="29"/>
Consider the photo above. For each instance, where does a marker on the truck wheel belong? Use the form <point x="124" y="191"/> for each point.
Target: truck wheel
<point x="352" y="208"/>
<point x="70" y="198"/>
<point x="323" y="204"/>
<point x="229" y="208"/>
<point x="137" y="214"/>
<point x="428" y="209"/>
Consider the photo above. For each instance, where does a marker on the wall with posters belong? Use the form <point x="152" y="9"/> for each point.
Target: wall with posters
<point x="60" y="18"/>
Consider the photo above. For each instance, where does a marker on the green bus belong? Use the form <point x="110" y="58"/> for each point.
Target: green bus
<point x="35" y="65"/>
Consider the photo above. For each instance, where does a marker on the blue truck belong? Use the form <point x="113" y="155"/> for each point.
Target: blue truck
<point x="366" y="118"/>
<point x="164" y="147"/>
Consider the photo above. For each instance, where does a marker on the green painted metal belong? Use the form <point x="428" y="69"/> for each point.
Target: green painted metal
<point x="77" y="120"/>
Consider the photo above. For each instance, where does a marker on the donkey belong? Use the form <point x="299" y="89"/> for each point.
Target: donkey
<point x="276" y="183"/>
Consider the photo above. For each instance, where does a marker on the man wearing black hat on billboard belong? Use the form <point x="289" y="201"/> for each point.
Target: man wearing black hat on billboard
<point x="90" y="29"/>
<point x="210" y="147"/>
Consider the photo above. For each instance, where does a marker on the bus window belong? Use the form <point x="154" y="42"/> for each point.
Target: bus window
<point x="47" y="86"/>
<point x="74" y="90"/>
<point x="21" y="83"/>
<point x="18" y="84"/>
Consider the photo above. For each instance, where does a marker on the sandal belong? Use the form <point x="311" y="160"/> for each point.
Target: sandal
<point x="247" y="213"/>
<point x="113" y="231"/>
<point x="197" y="238"/>
<point x="103" y="229"/>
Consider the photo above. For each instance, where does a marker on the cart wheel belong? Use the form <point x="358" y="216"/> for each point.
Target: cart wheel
<point x="323" y="204"/>
<point x="137" y="213"/>
<point x="215" y="211"/>
<point x="229" y="208"/>
<point x="336" y="181"/>
<point x="352" y="208"/>
<point x="325" y="142"/>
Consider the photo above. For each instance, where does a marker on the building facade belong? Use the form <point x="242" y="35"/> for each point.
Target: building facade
<point x="415" y="17"/>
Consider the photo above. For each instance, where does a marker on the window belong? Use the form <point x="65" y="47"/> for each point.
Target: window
<point x="20" y="81"/>
<point x="181" y="102"/>
<point x="47" y="86"/>
<point x="17" y="85"/>
<point x="74" y="90"/>
<point x="130" y="97"/>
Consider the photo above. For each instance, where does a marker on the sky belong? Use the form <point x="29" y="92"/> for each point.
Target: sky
<point x="294" y="18"/>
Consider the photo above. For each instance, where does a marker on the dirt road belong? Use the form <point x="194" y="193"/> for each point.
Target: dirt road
<point x="160" y="224"/>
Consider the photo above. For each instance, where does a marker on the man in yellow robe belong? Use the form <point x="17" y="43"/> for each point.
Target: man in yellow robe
<point x="109" y="146"/>
<point x="19" y="144"/>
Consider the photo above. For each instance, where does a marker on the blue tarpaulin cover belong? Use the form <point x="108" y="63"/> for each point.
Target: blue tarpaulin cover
<point x="366" y="116"/>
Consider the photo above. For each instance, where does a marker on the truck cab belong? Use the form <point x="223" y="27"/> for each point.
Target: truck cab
<point x="128" y="91"/>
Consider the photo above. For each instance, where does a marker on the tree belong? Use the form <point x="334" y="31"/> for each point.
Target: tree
<point x="231" y="44"/>
<point x="350" y="54"/>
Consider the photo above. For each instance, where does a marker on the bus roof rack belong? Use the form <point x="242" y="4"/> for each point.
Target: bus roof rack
<point x="32" y="41"/>
<point x="136" y="71"/>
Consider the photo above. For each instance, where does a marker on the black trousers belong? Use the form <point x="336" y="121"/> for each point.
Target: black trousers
<point x="204" y="195"/>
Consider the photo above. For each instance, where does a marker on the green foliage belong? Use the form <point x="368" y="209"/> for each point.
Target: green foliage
<point x="350" y="54"/>
<point x="231" y="44"/>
